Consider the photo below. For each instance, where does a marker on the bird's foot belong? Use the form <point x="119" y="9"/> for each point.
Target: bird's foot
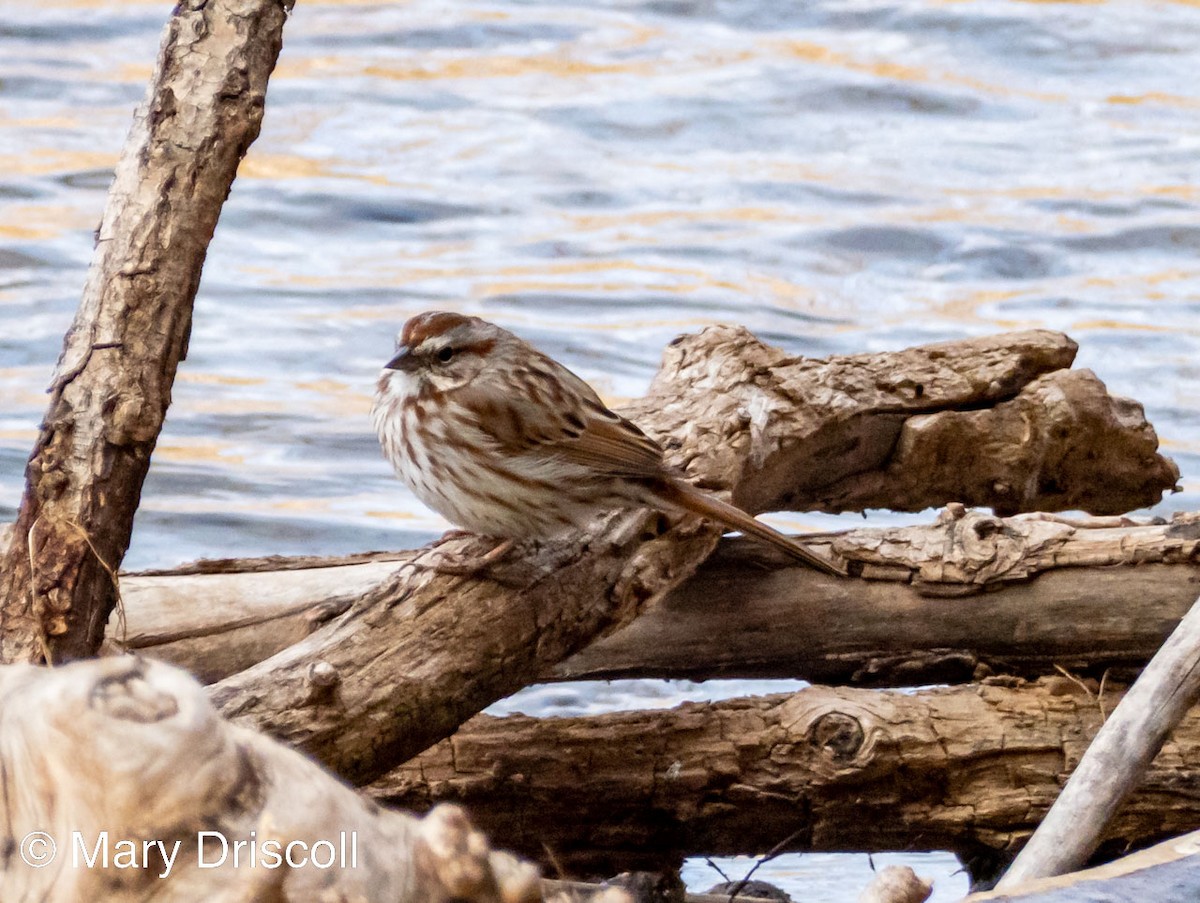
<point x="467" y="563"/>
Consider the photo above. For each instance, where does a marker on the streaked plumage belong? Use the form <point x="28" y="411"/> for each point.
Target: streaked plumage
<point x="503" y="441"/>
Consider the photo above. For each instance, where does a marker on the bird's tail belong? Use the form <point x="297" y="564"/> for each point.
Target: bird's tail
<point x="686" y="497"/>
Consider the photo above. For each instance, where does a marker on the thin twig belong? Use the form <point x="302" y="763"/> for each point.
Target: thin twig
<point x="716" y="868"/>
<point x="771" y="854"/>
<point x="122" y="625"/>
<point x="1100" y="695"/>
<point x="1075" y="680"/>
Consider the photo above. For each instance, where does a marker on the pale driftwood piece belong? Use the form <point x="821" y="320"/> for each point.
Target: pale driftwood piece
<point x="219" y="623"/>
<point x="1117" y="759"/>
<point x="133" y="748"/>
<point x="405" y="665"/>
<point x="967" y="769"/>
<point x="113" y="381"/>
<point x="945" y="603"/>
<point x="1168" y="872"/>
<point x="897" y="884"/>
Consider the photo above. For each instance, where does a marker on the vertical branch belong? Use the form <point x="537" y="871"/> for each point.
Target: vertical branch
<point x="113" y="381"/>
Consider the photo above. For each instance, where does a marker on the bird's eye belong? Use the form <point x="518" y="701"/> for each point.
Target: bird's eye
<point x="445" y="354"/>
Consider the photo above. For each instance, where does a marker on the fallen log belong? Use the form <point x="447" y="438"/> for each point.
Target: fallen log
<point x="966" y="769"/>
<point x="969" y="596"/>
<point x="95" y="808"/>
<point x="113" y="381"/>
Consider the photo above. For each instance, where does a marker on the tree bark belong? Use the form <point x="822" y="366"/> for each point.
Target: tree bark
<point x="823" y="769"/>
<point x="969" y="596"/>
<point x="94" y="752"/>
<point x="407" y="663"/>
<point x="113" y="381"/>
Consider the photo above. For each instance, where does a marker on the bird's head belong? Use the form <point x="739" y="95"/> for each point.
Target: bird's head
<point x="438" y="351"/>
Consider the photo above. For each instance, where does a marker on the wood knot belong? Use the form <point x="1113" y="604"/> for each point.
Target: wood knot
<point x="838" y="735"/>
<point x="987" y="526"/>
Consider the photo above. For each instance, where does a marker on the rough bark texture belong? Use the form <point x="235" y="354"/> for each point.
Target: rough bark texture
<point x="832" y="769"/>
<point x="100" y="747"/>
<point x="410" y="661"/>
<point x="995" y="421"/>
<point x="113" y="381"/>
<point x="969" y="596"/>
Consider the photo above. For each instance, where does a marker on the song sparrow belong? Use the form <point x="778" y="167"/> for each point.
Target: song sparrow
<point x="505" y="442"/>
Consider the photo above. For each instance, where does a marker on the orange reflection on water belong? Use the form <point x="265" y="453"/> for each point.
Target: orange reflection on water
<point x="1125" y="326"/>
<point x="45" y="160"/>
<point x="38" y="222"/>
<point x="822" y="55"/>
<point x="1174" y="100"/>
<point x="666" y="216"/>
<point x="199" y="452"/>
<point x="560" y="65"/>
<point x="292" y="166"/>
<point x="218" y="379"/>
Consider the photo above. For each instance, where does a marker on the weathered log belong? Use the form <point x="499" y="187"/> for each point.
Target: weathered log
<point x="1168" y="872"/>
<point x="961" y="769"/>
<point x="113" y="381"/>
<point x="406" y="664"/>
<point x="1115" y="762"/>
<point x="968" y="596"/>
<point x="90" y="771"/>
<point x="748" y="613"/>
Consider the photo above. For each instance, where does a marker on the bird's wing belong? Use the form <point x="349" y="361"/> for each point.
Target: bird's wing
<point x="550" y="412"/>
<point x="610" y="442"/>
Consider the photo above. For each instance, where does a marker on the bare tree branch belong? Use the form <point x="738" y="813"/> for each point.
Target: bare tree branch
<point x="113" y="381"/>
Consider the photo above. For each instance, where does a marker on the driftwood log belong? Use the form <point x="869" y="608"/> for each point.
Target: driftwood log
<point x="969" y="769"/>
<point x="106" y="817"/>
<point x="968" y="596"/>
<point x="113" y="381"/>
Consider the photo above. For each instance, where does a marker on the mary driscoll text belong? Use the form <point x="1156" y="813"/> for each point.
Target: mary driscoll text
<point x="212" y="849"/>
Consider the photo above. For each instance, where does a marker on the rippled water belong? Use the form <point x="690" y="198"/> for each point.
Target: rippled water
<point x="600" y="177"/>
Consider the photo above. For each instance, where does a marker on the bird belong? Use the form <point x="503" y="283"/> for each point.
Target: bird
<point x="505" y="442"/>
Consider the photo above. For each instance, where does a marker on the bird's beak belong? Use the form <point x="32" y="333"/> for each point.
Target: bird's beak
<point x="403" y="360"/>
